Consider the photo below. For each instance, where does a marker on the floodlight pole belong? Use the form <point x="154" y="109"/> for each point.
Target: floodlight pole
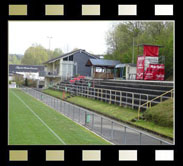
<point x="49" y="37"/>
<point x="133" y="52"/>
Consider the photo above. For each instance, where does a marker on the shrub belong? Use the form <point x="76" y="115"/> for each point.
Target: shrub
<point x="161" y="114"/>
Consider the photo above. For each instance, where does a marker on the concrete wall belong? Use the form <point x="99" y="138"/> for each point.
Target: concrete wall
<point x="130" y="70"/>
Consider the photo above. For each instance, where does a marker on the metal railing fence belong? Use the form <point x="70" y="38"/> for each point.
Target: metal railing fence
<point x="149" y="103"/>
<point x="111" y="130"/>
<point x="121" y="98"/>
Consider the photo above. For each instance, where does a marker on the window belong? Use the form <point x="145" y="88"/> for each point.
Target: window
<point x="71" y="58"/>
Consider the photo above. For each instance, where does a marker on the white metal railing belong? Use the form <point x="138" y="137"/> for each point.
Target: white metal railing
<point x="122" y="98"/>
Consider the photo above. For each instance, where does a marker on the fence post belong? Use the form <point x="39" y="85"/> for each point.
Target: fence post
<point x="112" y="131"/>
<point x="54" y="102"/>
<point x="140" y="137"/>
<point x="125" y="136"/>
<point x="79" y="115"/>
<point x="60" y="106"/>
<point x="64" y="109"/>
<point x="73" y="111"/>
<point x="92" y="121"/>
<point x="85" y="118"/>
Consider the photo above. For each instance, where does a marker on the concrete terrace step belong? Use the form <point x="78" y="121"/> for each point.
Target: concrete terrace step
<point x="151" y="92"/>
<point x="143" y="86"/>
<point x="146" y="82"/>
<point x="134" y="89"/>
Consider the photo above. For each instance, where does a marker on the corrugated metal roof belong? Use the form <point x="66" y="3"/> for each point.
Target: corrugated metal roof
<point x="102" y="62"/>
<point x="124" y="65"/>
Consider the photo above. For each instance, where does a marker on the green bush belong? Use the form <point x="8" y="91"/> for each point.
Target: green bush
<point x="31" y="83"/>
<point x="161" y="114"/>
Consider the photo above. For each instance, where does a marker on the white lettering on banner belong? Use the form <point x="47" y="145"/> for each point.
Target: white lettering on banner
<point x="28" y="68"/>
<point x="157" y="66"/>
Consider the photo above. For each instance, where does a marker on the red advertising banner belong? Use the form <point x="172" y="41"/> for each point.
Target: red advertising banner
<point x="155" y="72"/>
<point x="151" y="50"/>
<point x="140" y="68"/>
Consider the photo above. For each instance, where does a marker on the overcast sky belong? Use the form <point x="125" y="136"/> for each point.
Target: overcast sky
<point x="67" y="35"/>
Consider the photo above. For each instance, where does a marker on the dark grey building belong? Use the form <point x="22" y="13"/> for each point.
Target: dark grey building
<point x="67" y="66"/>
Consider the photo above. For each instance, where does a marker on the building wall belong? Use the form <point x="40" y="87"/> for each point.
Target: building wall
<point x="10" y="78"/>
<point x="29" y="75"/>
<point x="81" y="60"/>
<point x="69" y="68"/>
<point x="66" y="69"/>
<point x="130" y="70"/>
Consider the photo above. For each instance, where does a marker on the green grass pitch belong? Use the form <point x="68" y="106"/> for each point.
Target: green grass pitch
<point x="33" y="123"/>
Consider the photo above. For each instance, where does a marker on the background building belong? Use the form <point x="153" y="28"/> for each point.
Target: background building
<point x="67" y="66"/>
<point x="33" y="72"/>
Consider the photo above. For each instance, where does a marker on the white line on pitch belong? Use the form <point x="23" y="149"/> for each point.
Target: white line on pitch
<point x="39" y="118"/>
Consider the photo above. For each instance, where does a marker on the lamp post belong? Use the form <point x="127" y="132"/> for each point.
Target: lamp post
<point x="49" y="37"/>
<point x="133" y="52"/>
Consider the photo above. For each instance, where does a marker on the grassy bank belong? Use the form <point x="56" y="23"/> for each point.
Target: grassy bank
<point x="116" y="112"/>
<point x="161" y="114"/>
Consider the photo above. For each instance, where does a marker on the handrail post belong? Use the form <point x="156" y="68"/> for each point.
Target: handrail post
<point x="101" y="94"/>
<point x="138" y="112"/>
<point x="120" y="98"/>
<point x="87" y="92"/>
<point x="110" y="98"/>
<point x="172" y="93"/>
<point x="115" y="96"/>
<point x="132" y="100"/>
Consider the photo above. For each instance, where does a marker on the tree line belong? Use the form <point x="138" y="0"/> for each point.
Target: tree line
<point x="35" y="55"/>
<point x="122" y="40"/>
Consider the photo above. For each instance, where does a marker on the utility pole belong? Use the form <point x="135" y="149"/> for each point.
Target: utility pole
<point x="49" y="37"/>
<point x="133" y="52"/>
